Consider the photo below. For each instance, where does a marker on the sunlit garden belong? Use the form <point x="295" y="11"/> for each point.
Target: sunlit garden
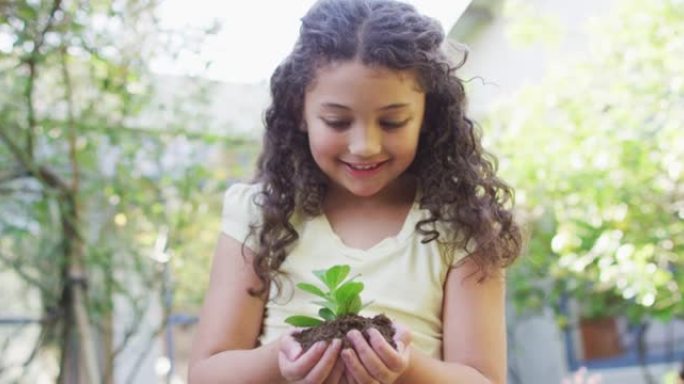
<point x="112" y="177"/>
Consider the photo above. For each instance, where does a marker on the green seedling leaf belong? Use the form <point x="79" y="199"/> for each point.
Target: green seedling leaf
<point x="312" y="289"/>
<point x="341" y="298"/>
<point x="327" y="304"/>
<point x="303" y="321"/>
<point x="347" y="291"/>
<point x="365" y="305"/>
<point x="335" y="275"/>
<point x="326" y="313"/>
<point x="355" y="305"/>
<point x="345" y="295"/>
<point x="321" y="276"/>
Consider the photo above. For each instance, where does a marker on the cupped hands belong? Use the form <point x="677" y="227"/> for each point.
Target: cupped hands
<point x="319" y="364"/>
<point x="375" y="360"/>
<point x="367" y="361"/>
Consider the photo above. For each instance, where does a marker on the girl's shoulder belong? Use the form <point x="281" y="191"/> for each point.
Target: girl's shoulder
<point x="242" y="193"/>
<point x="240" y="209"/>
<point x="451" y="240"/>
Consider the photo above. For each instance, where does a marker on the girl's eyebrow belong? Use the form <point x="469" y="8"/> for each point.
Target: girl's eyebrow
<point x="393" y="106"/>
<point x="385" y="108"/>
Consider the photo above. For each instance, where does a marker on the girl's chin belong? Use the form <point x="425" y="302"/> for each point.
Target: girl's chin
<point x="363" y="192"/>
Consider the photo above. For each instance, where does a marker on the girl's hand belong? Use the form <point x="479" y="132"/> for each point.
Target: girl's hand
<point x="319" y="364"/>
<point x="377" y="361"/>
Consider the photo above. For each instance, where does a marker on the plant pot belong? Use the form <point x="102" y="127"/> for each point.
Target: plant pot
<point x="600" y="338"/>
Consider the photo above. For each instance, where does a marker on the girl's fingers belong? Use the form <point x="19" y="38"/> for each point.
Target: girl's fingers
<point x="355" y="368"/>
<point x="299" y="368"/>
<point x="336" y="376"/>
<point x="369" y="358"/>
<point x="322" y="369"/>
<point x="391" y="358"/>
<point x="290" y="346"/>
<point x="347" y="378"/>
<point x="402" y="334"/>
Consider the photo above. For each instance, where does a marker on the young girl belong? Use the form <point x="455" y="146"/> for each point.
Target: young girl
<point x="370" y="161"/>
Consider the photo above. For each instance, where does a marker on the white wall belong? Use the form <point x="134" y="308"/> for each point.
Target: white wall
<point x="506" y="66"/>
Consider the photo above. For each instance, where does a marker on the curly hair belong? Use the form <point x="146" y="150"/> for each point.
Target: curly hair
<point x="456" y="176"/>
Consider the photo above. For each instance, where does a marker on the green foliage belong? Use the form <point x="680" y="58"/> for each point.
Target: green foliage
<point x="596" y="154"/>
<point x="340" y="299"/>
<point x="94" y="163"/>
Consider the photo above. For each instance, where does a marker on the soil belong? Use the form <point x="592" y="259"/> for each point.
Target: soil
<point x="338" y="328"/>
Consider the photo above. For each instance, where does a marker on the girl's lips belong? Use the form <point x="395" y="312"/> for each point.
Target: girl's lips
<point x="364" y="165"/>
<point x="364" y="169"/>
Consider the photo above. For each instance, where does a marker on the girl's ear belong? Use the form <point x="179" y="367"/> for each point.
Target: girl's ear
<point x="302" y="126"/>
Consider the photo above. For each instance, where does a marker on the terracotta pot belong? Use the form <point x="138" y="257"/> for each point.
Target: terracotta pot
<point x="600" y="338"/>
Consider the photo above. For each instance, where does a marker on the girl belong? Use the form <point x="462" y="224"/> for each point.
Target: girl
<point x="369" y="161"/>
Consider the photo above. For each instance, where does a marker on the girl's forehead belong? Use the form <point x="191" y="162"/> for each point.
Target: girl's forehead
<point x="358" y="67"/>
<point x="343" y="76"/>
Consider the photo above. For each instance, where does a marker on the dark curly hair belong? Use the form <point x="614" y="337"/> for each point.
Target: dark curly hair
<point x="456" y="176"/>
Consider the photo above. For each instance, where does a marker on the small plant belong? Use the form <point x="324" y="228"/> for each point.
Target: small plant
<point x="341" y="298"/>
<point x="340" y="305"/>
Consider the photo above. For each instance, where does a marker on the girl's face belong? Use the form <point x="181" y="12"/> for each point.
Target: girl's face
<point x="363" y="124"/>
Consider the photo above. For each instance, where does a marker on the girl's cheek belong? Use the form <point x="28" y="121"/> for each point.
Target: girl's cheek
<point x="325" y="144"/>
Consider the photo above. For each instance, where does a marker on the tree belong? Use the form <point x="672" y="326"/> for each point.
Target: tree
<point x="91" y="177"/>
<point x="596" y="153"/>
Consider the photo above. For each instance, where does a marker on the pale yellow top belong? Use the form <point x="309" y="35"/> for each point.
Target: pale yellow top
<point x="403" y="277"/>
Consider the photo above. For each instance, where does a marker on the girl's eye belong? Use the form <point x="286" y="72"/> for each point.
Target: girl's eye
<point x="344" y="124"/>
<point x="391" y="124"/>
<point x="337" y="124"/>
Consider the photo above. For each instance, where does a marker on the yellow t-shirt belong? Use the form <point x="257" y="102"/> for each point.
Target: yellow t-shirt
<point x="403" y="278"/>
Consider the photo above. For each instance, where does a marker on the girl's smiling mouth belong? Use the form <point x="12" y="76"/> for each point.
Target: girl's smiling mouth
<point x="364" y="168"/>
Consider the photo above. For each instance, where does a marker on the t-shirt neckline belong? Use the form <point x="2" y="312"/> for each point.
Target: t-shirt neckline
<point x="387" y="243"/>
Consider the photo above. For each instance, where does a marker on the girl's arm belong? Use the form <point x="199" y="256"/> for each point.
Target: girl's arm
<point x="474" y="329"/>
<point x="230" y="321"/>
<point x="229" y="324"/>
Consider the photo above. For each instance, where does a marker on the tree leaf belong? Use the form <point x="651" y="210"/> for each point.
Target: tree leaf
<point x="303" y="321"/>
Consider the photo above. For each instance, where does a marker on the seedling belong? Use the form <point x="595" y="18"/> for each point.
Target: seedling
<point x="340" y="305"/>
<point x="340" y="297"/>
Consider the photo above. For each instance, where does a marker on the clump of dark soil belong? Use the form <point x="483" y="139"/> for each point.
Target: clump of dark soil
<point x="338" y="328"/>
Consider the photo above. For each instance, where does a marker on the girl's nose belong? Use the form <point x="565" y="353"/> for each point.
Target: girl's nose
<point x="365" y="141"/>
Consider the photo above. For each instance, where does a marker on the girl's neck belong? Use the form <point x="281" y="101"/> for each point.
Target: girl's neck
<point x="363" y="222"/>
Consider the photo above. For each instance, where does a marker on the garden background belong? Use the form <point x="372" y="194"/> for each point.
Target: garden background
<point x="112" y="170"/>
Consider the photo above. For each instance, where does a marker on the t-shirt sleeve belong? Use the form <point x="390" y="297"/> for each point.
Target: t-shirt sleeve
<point x="452" y="254"/>
<point x="240" y="212"/>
